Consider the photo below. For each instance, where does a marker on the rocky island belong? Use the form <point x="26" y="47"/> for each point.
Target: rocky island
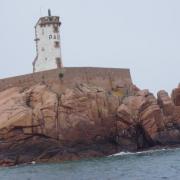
<point x="62" y="113"/>
<point x="38" y="124"/>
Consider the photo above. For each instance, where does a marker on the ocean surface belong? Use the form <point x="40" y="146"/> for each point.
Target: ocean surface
<point x="153" y="164"/>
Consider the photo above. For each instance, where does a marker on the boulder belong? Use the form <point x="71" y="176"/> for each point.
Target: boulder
<point x="143" y="93"/>
<point x="14" y="112"/>
<point x="124" y="114"/>
<point x="165" y="103"/>
<point x="145" y="113"/>
<point x="176" y="96"/>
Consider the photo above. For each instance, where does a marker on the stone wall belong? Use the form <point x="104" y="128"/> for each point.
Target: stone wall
<point x="107" y="78"/>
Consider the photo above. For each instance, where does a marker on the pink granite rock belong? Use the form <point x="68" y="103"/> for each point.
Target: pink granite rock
<point x="176" y="96"/>
<point x="84" y="121"/>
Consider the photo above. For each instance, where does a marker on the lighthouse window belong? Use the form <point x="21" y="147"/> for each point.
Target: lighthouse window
<point x="56" y="44"/>
<point x="55" y="29"/>
<point x="50" y="36"/>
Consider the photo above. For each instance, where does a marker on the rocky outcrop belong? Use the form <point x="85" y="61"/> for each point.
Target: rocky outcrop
<point x="165" y="103"/>
<point x="146" y="118"/>
<point x="39" y="124"/>
<point x="38" y="120"/>
<point x="176" y="96"/>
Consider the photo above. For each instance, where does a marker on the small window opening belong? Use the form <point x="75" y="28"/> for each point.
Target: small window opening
<point x="56" y="29"/>
<point x="50" y="36"/>
<point x="56" y="44"/>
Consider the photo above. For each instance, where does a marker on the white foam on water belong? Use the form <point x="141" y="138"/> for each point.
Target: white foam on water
<point x="141" y="152"/>
<point x="121" y="154"/>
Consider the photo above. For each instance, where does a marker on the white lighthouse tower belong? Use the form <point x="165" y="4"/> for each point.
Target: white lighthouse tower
<point x="47" y="32"/>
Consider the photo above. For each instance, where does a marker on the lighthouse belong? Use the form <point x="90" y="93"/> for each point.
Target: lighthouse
<point x="48" y="47"/>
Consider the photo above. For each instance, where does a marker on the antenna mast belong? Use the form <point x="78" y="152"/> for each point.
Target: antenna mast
<point x="49" y="12"/>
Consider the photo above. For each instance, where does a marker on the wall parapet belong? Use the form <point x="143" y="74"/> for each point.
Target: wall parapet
<point x="107" y="78"/>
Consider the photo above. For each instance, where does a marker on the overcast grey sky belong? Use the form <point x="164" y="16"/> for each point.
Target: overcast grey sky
<point x="143" y="35"/>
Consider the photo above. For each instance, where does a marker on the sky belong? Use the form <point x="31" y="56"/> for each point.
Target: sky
<point x="143" y="35"/>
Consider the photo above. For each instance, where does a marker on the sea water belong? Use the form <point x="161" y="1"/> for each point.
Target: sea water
<point x="148" y="165"/>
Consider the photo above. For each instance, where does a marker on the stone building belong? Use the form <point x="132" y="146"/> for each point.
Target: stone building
<point x="47" y="32"/>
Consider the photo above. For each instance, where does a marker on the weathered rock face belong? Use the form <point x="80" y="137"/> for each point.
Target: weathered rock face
<point x="37" y="124"/>
<point x="176" y="100"/>
<point x="44" y="105"/>
<point x="145" y="116"/>
<point x="13" y="109"/>
<point x="82" y="114"/>
<point x="176" y="96"/>
<point x="165" y="103"/>
<point x="86" y="115"/>
<point x="80" y="117"/>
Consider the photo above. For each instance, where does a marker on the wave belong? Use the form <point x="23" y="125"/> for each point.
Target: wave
<point x="143" y="152"/>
